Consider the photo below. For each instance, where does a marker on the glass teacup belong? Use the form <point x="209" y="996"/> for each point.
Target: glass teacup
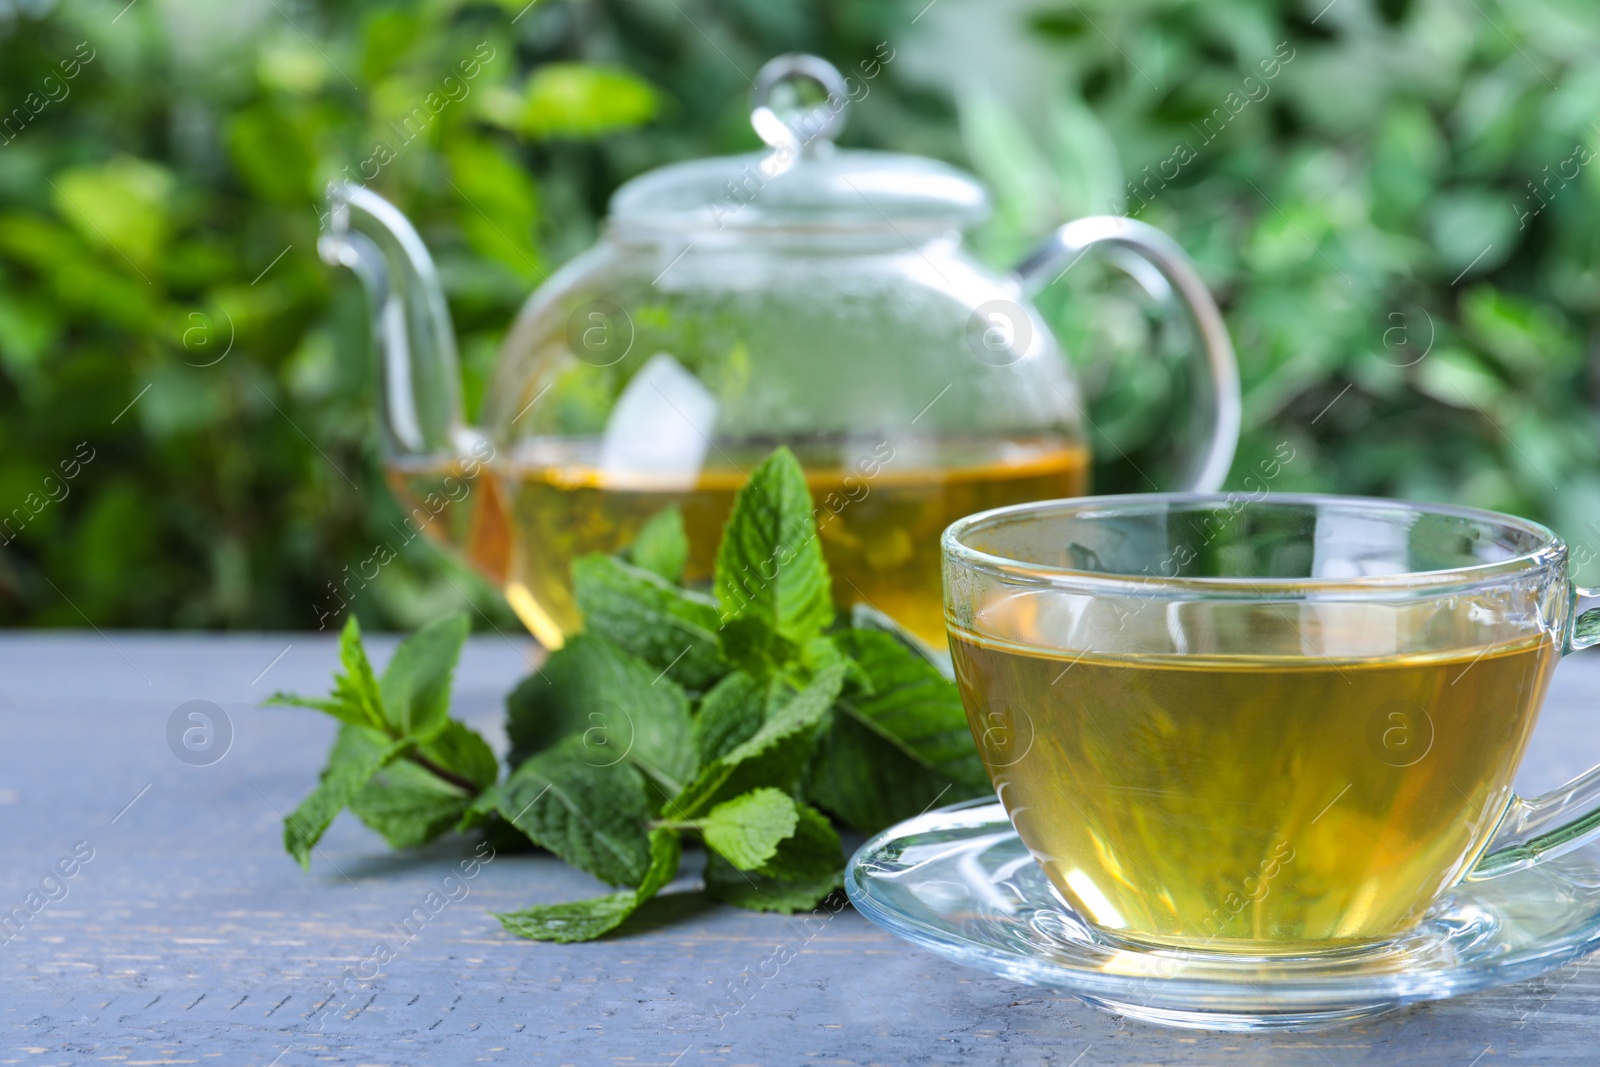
<point x="1269" y="727"/>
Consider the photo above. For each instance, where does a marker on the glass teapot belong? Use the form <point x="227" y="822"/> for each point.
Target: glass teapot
<point x="809" y="296"/>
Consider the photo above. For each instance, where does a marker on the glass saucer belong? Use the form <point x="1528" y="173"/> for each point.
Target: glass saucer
<point x="960" y="882"/>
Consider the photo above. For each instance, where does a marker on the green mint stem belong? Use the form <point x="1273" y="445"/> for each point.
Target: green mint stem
<point x="439" y="772"/>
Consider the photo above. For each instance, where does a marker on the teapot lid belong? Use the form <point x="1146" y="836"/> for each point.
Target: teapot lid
<point x="802" y="182"/>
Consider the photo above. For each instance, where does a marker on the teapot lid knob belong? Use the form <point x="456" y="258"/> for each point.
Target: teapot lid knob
<point x="796" y="127"/>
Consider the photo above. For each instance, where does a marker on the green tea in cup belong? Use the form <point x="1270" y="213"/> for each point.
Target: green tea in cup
<point x="1269" y="728"/>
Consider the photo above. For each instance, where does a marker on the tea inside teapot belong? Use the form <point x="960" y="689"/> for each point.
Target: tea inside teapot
<point x="879" y="516"/>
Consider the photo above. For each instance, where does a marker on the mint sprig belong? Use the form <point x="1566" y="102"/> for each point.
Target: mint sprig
<point x="746" y="718"/>
<point x="405" y="716"/>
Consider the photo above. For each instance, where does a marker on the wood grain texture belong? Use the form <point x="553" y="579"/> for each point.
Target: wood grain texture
<point x="190" y="937"/>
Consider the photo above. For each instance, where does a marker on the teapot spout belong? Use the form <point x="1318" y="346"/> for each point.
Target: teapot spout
<point x="419" y="394"/>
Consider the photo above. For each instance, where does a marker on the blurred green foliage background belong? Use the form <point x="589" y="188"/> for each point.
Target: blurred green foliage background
<point x="1400" y="221"/>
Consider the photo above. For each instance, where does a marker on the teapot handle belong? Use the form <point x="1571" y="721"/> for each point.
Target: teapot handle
<point x="1220" y="410"/>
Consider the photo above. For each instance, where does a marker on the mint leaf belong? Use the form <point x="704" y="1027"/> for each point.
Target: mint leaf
<point x="445" y="764"/>
<point x="410" y="805"/>
<point x="614" y="702"/>
<point x="774" y="755"/>
<point x="415" y="689"/>
<point x="866" y="617"/>
<point x="577" y="920"/>
<point x="727" y="883"/>
<point x="357" y="687"/>
<point x="347" y="772"/>
<point x="459" y="750"/>
<point x="823" y="652"/>
<point x="585" y="920"/>
<point x="746" y="830"/>
<point x="484" y="810"/>
<point x="897" y="748"/>
<point x="913" y="705"/>
<point x="812" y="851"/>
<point x="350" y="714"/>
<point x="356" y="699"/>
<point x="748" y="644"/>
<point x="730" y="714"/>
<point x="769" y="566"/>
<point x="662" y="545"/>
<point x="807" y="866"/>
<point x="805" y="709"/>
<point x="666" y="850"/>
<point x="671" y="629"/>
<point x="406" y="804"/>
<point x="592" y="816"/>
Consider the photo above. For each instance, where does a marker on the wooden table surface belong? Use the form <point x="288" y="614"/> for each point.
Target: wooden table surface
<point x="190" y="937"/>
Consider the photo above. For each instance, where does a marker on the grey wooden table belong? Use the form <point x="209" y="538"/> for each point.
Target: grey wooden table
<point x="189" y="937"/>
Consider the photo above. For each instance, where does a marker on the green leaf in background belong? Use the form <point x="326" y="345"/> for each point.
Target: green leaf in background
<point x="415" y="689"/>
<point x="500" y="206"/>
<point x="349" y="769"/>
<point x="1006" y="157"/>
<point x="1085" y="160"/>
<point x="272" y="154"/>
<point x="673" y="630"/>
<point x="894" y="750"/>
<point x="662" y="546"/>
<point x="120" y="206"/>
<point x="585" y="920"/>
<point x="1397" y="178"/>
<point x="746" y="830"/>
<point x="592" y="816"/>
<point x="612" y="702"/>
<point x="1524" y="337"/>
<point x="581" y="101"/>
<point x="1466" y="227"/>
<point x="769" y="565"/>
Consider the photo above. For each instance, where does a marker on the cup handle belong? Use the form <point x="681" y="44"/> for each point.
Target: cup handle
<point x="1219" y="412"/>
<point x="1535" y="829"/>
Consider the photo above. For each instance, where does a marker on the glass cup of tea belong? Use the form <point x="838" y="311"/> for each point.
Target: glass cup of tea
<point x="1268" y="727"/>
